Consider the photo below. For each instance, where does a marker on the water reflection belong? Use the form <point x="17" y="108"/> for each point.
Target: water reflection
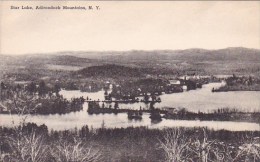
<point x="79" y="119"/>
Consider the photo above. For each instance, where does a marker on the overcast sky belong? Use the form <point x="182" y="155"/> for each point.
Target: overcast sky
<point x="129" y="25"/>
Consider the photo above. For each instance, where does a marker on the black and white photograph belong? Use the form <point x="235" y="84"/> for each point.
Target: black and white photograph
<point x="129" y="81"/>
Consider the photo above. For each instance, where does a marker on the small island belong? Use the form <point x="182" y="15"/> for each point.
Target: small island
<point x="240" y="83"/>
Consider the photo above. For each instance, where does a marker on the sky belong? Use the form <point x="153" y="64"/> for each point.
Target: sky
<point x="129" y="25"/>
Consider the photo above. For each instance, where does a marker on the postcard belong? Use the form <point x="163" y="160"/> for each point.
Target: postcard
<point x="129" y="81"/>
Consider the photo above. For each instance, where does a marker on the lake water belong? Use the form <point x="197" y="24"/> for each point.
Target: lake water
<point x="196" y="100"/>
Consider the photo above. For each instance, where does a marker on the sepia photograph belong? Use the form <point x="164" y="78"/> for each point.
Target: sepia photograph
<point x="129" y="81"/>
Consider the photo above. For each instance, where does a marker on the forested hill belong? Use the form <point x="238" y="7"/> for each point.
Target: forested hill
<point x="111" y="70"/>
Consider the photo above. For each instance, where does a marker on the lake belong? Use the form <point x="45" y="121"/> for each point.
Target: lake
<point x="195" y="100"/>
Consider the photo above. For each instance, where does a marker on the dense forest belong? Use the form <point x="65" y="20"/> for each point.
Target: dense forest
<point x="36" y="99"/>
<point x="111" y="70"/>
<point x="32" y="143"/>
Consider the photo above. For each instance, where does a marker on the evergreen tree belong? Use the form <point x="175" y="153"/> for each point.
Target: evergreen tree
<point x="116" y="105"/>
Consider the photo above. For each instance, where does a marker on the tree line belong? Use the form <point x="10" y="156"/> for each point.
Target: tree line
<point x="29" y="142"/>
<point x="37" y="99"/>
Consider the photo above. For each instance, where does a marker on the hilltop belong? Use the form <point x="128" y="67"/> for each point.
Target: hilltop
<point x="111" y="70"/>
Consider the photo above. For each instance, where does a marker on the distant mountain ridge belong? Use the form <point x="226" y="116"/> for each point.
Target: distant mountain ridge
<point x="239" y="54"/>
<point x="233" y="60"/>
<point x="227" y="54"/>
